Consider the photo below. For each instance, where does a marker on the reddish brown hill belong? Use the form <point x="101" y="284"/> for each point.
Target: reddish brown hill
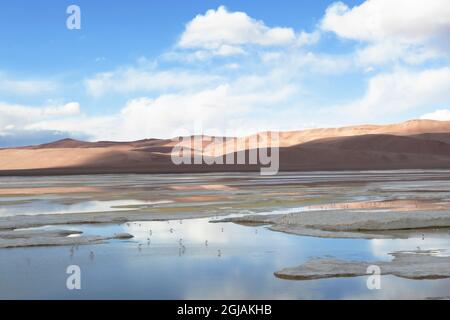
<point x="417" y="144"/>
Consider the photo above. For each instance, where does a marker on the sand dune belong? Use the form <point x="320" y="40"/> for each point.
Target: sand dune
<point x="417" y="144"/>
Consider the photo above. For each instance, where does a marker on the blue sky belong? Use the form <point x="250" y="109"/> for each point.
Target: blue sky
<point x="140" y="69"/>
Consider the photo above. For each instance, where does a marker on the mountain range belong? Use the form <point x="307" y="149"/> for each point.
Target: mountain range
<point x="415" y="144"/>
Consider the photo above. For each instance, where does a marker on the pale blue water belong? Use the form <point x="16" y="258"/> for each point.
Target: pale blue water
<point x="244" y="269"/>
<point x="237" y="263"/>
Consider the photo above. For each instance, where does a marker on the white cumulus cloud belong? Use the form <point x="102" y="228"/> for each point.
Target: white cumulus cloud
<point x="25" y="86"/>
<point x="220" y="27"/>
<point x="409" y="21"/>
<point x="400" y="91"/>
<point x="393" y="29"/>
<point x="440" y="115"/>
<point x="141" y="79"/>
<point x="224" y="33"/>
<point x="19" y="116"/>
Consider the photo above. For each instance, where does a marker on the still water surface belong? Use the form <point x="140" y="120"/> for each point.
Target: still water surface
<point x="196" y="259"/>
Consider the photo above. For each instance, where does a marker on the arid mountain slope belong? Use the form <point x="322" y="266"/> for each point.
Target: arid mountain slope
<point x="417" y="144"/>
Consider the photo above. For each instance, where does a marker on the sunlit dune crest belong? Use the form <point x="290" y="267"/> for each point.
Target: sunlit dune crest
<point x="416" y="144"/>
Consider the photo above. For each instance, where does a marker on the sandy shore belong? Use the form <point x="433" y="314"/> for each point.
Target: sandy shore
<point x="107" y="217"/>
<point x="411" y="265"/>
<point x="36" y="238"/>
<point x="46" y="191"/>
<point x="352" y="222"/>
<point x="369" y="224"/>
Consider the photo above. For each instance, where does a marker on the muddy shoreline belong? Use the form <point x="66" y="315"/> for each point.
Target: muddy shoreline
<point x="46" y="238"/>
<point x="414" y="265"/>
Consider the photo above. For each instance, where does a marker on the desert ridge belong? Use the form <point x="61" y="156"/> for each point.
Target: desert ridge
<point x="416" y="144"/>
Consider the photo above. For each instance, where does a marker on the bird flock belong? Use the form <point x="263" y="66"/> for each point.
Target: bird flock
<point x="181" y="242"/>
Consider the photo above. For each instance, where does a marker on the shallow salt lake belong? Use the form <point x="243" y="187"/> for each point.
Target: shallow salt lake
<point x="238" y="262"/>
<point x="196" y="259"/>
